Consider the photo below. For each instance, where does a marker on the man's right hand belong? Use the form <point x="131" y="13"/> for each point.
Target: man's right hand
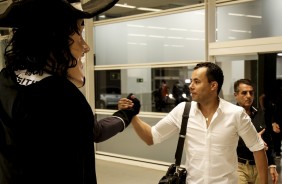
<point x="125" y="103"/>
<point x="276" y="127"/>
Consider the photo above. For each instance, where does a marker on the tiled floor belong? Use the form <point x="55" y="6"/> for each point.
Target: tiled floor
<point x="116" y="173"/>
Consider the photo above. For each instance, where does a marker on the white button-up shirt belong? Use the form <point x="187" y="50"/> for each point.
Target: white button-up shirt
<point x="210" y="151"/>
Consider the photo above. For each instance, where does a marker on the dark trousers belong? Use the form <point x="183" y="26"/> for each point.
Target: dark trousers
<point x="277" y="143"/>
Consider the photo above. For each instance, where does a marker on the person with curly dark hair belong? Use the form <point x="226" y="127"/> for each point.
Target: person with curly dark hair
<point x="47" y="127"/>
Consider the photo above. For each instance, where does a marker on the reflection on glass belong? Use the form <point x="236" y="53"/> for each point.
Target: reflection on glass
<point x="238" y="67"/>
<point x="252" y="19"/>
<point x="166" y="98"/>
<point x="127" y="8"/>
<point x="158" y="89"/>
<point x="176" y="37"/>
<point x="107" y="89"/>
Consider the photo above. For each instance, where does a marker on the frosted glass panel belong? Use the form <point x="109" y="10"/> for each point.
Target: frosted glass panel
<point x="127" y="8"/>
<point x="176" y="37"/>
<point x="128" y="143"/>
<point x="255" y="19"/>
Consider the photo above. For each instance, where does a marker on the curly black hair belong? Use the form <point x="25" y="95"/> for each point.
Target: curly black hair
<point x="43" y="46"/>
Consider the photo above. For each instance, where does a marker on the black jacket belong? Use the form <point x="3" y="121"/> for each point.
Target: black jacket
<point x="48" y="132"/>
<point x="258" y="121"/>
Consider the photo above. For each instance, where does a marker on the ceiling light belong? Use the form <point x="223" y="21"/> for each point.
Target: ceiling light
<point x="254" y="16"/>
<point x="236" y="14"/>
<point x="148" y="9"/>
<point x="174" y="37"/>
<point x="187" y="81"/>
<point x="240" y="31"/>
<point x="154" y="27"/>
<point x="156" y="36"/>
<point x="244" y="15"/>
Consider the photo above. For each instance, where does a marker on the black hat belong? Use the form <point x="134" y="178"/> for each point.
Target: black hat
<point x="21" y="12"/>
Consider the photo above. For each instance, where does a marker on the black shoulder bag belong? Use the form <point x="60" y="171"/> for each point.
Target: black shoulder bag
<point x="176" y="174"/>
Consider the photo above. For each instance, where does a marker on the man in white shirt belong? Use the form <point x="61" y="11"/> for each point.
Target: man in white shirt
<point x="213" y="130"/>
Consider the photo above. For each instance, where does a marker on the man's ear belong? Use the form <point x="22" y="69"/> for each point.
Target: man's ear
<point x="214" y="85"/>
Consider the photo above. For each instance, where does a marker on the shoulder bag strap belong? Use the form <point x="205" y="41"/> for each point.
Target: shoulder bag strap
<point x="182" y="134"/>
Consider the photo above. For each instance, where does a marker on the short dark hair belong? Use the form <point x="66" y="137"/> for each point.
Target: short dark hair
<point x="214" y="73"/>
<point x="242" y="81"/>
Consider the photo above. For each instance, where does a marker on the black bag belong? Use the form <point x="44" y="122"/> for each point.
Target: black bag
<point x="176" y="174"/>
<point x="173" y="177"/>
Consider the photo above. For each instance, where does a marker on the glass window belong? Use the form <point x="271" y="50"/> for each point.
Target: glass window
<point x="127" y="8"/>
<point x="235" y="68"/>
<point x="146" y="81"/>
<point x="161" y="43"/>
<point x="107" y="89"/>
<point x="128" y="143"/>
<point x="176" y="37"/>
<point x="279" y="66"/>
<point x="159" y="89"/>
<point x="253" y="19"/>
